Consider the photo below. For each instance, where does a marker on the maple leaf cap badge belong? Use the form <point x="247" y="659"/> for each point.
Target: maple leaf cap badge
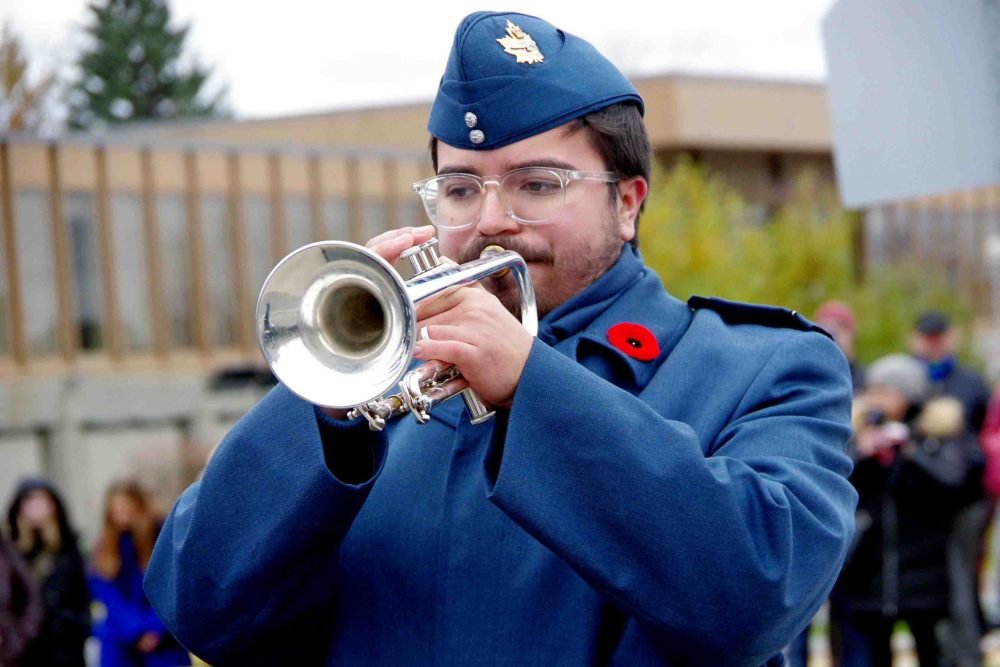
<point x="520" y="45"/>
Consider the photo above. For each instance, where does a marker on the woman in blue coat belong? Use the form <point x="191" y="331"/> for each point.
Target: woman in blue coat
<point x="131" y="633"/>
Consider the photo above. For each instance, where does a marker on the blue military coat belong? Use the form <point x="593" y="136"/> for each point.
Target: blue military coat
<point x="692" y="508"/>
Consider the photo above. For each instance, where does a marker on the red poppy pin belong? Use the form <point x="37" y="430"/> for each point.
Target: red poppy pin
<point x="634" y="340"/>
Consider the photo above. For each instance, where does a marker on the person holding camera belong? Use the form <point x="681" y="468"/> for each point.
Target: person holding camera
<point x="916" y="468"/>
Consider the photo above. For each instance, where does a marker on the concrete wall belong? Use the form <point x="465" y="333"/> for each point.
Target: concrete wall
<point x="85" y="432"/>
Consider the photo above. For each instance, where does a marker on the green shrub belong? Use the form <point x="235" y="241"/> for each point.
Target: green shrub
<point x="702" y="237"/>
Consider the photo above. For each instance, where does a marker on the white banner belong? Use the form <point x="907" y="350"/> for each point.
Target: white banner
<point x="914" y="96"/>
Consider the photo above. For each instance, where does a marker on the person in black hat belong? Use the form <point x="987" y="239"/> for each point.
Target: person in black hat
<point x="934" y="343"/>
<point x="663" y="483"/>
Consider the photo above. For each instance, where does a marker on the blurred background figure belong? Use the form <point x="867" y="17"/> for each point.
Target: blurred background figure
<point x="40" y="530"/>
<point x="916" y="468"/>
<point x="989" y="438"/>
<point x="935" y="343"/>
<point x="838" y="319"/>
<point x="131" y="634"/>
<point x="20" y="606"/>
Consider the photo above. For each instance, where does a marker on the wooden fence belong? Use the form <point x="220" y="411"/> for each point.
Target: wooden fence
<point x="120" y="254"/>
<point x="956" y="236"/>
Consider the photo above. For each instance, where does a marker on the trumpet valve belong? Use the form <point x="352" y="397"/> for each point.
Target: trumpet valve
<point x="423" y="257"/>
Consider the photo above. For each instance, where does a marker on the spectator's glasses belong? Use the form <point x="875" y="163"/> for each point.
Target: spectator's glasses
<point x="530" y="195"/>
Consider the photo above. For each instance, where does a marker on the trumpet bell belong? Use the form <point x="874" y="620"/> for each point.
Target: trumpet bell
<point x="335" y="324"/>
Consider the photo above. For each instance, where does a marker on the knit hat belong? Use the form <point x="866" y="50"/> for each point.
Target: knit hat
<point x="904" y="373"/>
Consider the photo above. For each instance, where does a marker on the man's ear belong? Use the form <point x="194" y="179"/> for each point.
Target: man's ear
<point x="631" y="193"/>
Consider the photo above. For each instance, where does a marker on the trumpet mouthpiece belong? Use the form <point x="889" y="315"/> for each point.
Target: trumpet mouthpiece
<point x="492" y="250"/>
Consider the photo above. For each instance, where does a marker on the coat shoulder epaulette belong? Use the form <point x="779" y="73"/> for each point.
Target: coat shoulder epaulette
<point x="734" y="312"/>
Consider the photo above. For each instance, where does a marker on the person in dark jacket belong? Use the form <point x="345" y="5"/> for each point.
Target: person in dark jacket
<point x="40" y="530"/>
<point x="131" y="633"/>
<point x="916" y="469"/>
<point x="934" y="341"/>
<point x="20" y="606"/>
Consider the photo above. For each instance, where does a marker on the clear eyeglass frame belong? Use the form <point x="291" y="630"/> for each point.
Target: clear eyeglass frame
<point x="547" y="204"/>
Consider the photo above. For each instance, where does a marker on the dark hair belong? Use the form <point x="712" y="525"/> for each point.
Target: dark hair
<point x="107" y="552"/>
<point x="67" y="535"/>
<point x="619" y="135"/>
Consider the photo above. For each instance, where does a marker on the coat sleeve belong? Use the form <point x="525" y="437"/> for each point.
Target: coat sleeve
<point x="234" y="571"/>
<point x="729" y="553"/>
<point x="124" y="621"/>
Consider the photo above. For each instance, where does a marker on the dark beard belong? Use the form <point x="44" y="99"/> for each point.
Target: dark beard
<point x="580" y="271"/>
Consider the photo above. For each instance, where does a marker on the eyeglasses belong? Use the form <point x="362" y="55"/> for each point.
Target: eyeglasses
<point x="530" y="195"/>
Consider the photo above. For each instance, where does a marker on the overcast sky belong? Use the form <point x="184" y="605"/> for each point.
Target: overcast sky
<point x="299" y="56"/>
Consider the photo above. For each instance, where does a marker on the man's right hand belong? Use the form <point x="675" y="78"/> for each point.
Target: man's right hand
<point x="389" y="245"/>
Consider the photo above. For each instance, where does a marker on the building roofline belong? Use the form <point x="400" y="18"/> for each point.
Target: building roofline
<point x="82" y="139"/>
<point x="747" y="79"/>
<point x="638" y="79"/>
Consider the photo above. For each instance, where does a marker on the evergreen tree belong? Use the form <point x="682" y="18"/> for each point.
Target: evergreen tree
<point x="133" y="68"/>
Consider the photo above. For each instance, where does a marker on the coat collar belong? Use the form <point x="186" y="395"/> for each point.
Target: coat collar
<point x="577" y="312"/>
<point x="628" y="292"/>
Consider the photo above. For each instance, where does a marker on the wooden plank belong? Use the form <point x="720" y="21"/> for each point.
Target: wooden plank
<point x="967" y="262"/>
<point x="317" y="225"/>
<point x="15" y="311"/>
<point x="391" y="194"/>
<point x="239" y="250"/>
<point x="279" y="234"/>
<point x="201" y="334"/>
<point x="68" y="336"/>
<point x="154" y="260"/>
<point x="355" y="221"/>
<point x="113" y="339"/>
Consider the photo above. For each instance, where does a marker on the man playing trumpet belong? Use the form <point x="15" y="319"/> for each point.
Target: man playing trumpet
<point x="663" y="483"/>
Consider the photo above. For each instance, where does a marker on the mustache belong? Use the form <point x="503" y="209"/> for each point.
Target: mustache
<point x="477" y="245"/>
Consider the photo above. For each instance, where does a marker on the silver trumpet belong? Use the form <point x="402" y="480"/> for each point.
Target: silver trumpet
<point x="337" y="326"/>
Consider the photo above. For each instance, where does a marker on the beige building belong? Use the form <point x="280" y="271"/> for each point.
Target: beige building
<point x="757" y="133"/>
<point x="130" y="264"/>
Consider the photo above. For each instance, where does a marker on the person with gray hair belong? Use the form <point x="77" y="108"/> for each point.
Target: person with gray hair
<point x="916" y="468"/>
